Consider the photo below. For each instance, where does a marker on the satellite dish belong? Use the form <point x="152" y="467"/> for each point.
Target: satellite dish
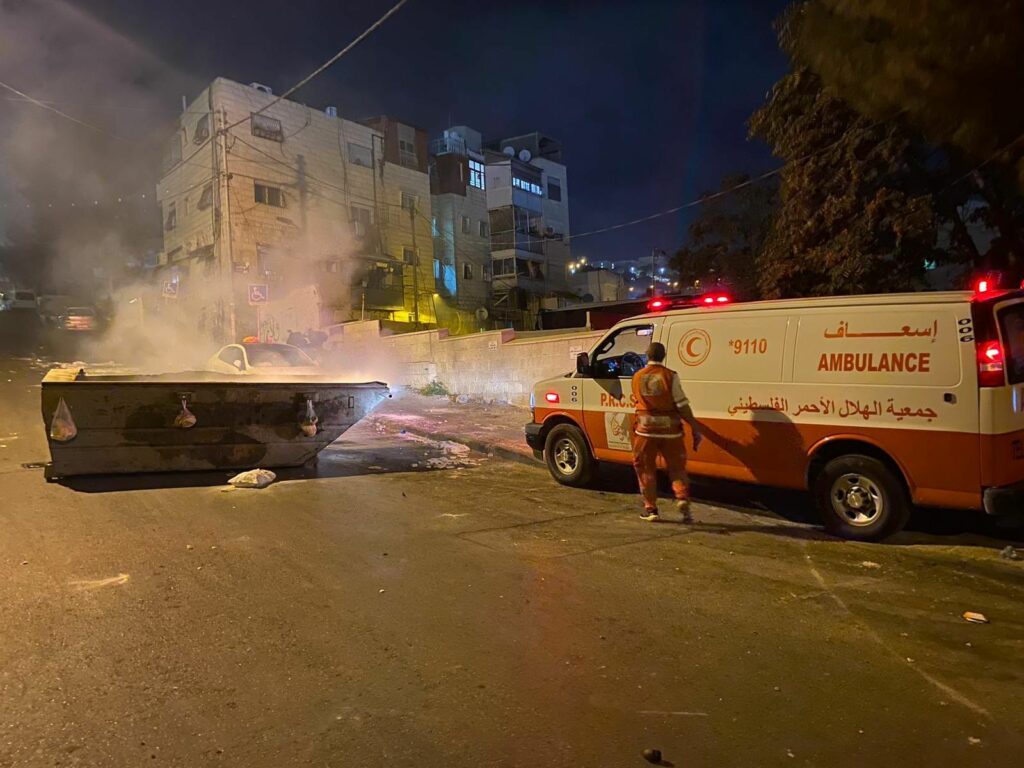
<point x="510" y="151"/>
<point x="524" y="155"/>
<point x="482" y="314"/>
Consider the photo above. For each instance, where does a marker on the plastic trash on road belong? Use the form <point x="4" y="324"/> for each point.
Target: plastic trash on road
<point x="62" y="428"/>
<point x="975" y="618"/>
<point x="253" y="478"/>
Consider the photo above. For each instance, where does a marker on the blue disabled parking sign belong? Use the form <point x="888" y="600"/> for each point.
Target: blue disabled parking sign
<point x="258" y="294"/>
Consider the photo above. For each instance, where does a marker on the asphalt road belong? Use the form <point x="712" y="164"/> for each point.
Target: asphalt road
<point x="411" y="604"/>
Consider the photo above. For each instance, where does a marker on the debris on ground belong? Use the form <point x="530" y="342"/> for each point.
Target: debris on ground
<point x="1009" y="553"/>
<point x="975" y="618"/>
<point x="253" y="478"/>
<point x="652" y="755"/>
<point x="869" y="564"/>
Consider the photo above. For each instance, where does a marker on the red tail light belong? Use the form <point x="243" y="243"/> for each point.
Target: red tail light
<point x="656" y="305"/>
<point x="981" y="286"/>
<point x="551" y="397"/>
<point x="709" y="299"/>
<point x="990" y="364"/>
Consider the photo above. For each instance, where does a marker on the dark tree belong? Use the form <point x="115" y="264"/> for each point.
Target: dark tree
<point x="727" y="236"/>
<point x="856" y="213"/>
<point x="949" y="72"/>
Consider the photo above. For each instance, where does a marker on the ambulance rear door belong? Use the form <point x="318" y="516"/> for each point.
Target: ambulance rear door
<point x="999" y="345"/>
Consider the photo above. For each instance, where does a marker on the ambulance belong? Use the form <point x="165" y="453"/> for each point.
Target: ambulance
<point x="872" y="403"/>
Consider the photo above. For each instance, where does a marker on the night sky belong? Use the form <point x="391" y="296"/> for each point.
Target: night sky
<point x="650" y="99"/>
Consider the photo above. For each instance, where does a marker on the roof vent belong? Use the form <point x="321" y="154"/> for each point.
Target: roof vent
<point x="261" y="87"/>
<point x="331" y="111"/>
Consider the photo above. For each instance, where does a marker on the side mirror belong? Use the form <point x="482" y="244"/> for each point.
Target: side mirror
<point x="239" y="364"/>
<point x="583" y="364"/>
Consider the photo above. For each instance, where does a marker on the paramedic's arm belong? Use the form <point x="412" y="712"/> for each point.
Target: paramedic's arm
<point x="685" y="411"/>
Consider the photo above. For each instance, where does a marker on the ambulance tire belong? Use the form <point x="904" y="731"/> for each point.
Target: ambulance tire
<point x="861" y="498"/>
<point x="568" y="456"/>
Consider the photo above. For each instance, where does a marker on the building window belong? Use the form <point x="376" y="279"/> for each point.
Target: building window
<point x="171" y="219"/>
<point x="205" y="198"/>
<point x="172" y="152"/>
<point x="482" y="228"/>
<point x="476" y="175"/>
<point x="437" y="269"/>
<point x="407" y="153"/>
<point x="527" y="186"/>
<point x="554" y="189"/>
<point x="360" y="155"/>
<point x="409" y="255"/>
<point x="466" y="225"/>
<point x="267" y="127"/>
<point x="202" y="131"/>
<point x="467" y="271"/>
<point x="268" y="195"/>
<point x="409" y="201"/>
<point x="434" y="231"/>
<point x="362" y="218"/>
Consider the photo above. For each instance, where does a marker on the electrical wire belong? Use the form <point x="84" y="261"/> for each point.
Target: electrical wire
<point x="327" y="64"/>
<point x="65" y="115"/>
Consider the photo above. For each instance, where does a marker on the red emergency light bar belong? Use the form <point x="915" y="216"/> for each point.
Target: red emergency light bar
<point x="661" y="303"/>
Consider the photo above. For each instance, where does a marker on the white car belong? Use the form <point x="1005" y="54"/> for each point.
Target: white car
<point x="261" y="359"/>
<point x="19" y="300"/>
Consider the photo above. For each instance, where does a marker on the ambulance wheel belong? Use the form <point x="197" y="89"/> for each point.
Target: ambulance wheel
<point x="860" y="498"/>
<point x="568" y="456"/>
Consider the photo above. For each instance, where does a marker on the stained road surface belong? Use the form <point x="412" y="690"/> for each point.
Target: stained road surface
<point x="411" y="604"/>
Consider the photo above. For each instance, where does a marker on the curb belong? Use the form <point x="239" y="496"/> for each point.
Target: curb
<point x="473" y="444"/>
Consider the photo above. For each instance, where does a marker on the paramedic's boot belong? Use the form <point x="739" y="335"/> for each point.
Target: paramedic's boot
<point x="683" y="505"/>
<point x="650" y="515"/>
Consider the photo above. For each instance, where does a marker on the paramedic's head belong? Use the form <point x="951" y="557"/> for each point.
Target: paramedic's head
<point x="656" y="352"/>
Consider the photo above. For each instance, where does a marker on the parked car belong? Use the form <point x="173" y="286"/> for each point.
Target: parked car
<point x="262" y="359"/>
<point x="19" y="299"/>
<point x="77" y="319"/>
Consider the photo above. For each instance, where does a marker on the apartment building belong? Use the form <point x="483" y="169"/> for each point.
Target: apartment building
<point x="461" y="220"/>
<point x="528" y="200"/>
<point x="501" y="213"/>
<point x="330" y="215"/>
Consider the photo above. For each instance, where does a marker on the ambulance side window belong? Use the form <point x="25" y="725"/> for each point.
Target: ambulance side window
<point x="623" y="353"/>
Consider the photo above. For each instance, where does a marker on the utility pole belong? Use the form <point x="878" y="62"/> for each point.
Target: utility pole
<point x="415" y="267"/>
<point x="222" y="220"/>
<point x="654" y="271"/>
<point x="300" y="162"/>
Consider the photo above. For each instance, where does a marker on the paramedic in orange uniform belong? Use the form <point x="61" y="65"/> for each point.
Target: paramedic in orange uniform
<point x="661" y="407"/>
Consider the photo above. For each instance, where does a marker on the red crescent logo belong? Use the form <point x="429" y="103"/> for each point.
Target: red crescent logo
<point x="694" y="347"/>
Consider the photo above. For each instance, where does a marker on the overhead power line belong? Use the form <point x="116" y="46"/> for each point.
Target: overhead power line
<point x="65" y="115"/>
<point x="327" y="64"/>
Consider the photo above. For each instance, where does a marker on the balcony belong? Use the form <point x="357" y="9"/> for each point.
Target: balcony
<point x="448" y="145"/>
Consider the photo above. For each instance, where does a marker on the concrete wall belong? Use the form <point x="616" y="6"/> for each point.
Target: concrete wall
<point x="494" y="365"/>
